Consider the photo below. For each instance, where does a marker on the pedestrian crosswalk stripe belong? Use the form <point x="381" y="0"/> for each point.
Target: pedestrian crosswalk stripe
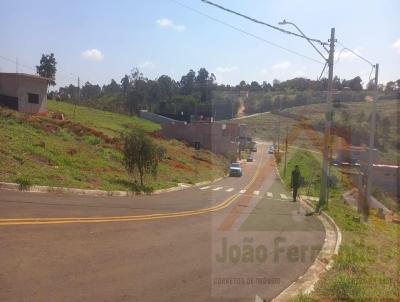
<point x="217" y="188"/>
<point x="204" y="188"/>
<point x="242" y="191"/>
<point x="230" y="190"/>
<point x="256" y="193"/>
<point x="283" y="196"/>
<point x="269" y="194"/>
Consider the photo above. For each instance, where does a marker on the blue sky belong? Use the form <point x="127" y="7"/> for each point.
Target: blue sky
<point x="100" y="40"/>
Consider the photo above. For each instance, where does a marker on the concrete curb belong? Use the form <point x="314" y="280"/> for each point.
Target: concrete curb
<point x="333" y="238"/>
<point x="63" y="190"/>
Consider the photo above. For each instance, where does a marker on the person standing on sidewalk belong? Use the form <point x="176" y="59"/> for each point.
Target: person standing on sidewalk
<point x="295" y="183"/>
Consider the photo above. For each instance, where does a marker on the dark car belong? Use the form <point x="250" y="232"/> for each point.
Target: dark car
<point x="250" y="158"/>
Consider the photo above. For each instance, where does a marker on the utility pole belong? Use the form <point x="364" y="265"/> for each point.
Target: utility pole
<point x="16" y="65"/>
<point x="323" y="196"/>
<point x="279" y="123"/>
<point x="367" y="198"/>
<point x="79" y="95"/>
<point x="286" y="150"/>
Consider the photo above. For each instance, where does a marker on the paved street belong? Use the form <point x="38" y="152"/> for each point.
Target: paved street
<point x="229" y="240"/>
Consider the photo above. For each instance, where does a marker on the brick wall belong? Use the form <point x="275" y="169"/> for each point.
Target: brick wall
<point x="218" y="137"/>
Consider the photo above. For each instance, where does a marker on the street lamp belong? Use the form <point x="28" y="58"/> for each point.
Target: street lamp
<point x="323" y="196"/>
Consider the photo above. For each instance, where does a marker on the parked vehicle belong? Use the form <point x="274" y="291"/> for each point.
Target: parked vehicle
<point x="250" y="158"/>
<point x="235" y="170"/>
<point x="254" y="148"/>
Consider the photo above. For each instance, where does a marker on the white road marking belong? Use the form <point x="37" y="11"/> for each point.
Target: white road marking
<point x="230" y="190"/>
<point x="283" y="196"/>
<point x="242" y="191"/>
<point x="204" y="188"/>
<point x="256" y="193"/>
<point x="269" y="194"/>
<point x="217" y="188"/>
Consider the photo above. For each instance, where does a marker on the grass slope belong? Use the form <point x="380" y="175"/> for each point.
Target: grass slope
<point x="83" y="151"/>
<point x="367" y="267"/>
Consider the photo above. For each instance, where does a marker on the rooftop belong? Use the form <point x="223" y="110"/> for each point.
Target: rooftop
<point x="24" y="75"/>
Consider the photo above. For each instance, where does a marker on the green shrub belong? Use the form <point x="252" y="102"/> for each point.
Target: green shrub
<point x="92" y="140"/>
<point x="24" y="183"/>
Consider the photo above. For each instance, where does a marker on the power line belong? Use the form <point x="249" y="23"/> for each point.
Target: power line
<point x="60" y="75"/>
<point x="246" y="32"/>
<point x="353" y="52"/>
<point x="262" y="23"/>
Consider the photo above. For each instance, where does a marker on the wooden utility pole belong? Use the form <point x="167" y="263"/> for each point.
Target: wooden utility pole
<point x="286" y="150"/>
<point x="323" y="196"/>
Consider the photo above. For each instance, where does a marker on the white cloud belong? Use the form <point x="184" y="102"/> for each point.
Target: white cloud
<point x="148" y="65"/>
<point x="93" y="55"/>
<point x="282" y="65"/>
<point x="226" y="69"/>
<point x="396" y="45"/>
<point x="167" y="23"/>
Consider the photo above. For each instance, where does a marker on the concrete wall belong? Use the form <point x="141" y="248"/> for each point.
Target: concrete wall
<point x="19" y="85"/>
<point x="30" y="85"/>
<point x="216" y="137"/>
<point x="356" y="153"/>
<point x="8" y="85"/>
<point x="156" y="118"/>
<point x="387" y="179"/>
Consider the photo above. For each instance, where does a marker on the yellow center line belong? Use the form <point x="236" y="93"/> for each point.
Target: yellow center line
<point x="97" y="219"/>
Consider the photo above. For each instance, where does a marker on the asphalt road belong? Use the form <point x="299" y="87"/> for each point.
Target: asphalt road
<point x="222" y="242"/>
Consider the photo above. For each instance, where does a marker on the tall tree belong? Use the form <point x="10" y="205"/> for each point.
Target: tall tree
<point x="47" y="68"/>
<point x="125" y="84"/>
<point x="167" y="87"/>
<point x="187" y="83"/>
<point x="255" y="86"/>
<point x="204" y="84"/>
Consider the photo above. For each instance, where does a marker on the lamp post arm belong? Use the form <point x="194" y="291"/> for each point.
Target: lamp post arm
<point x="309" y="41"/>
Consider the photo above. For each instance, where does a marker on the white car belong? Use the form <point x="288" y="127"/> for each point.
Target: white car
<point x="235" y="170"/>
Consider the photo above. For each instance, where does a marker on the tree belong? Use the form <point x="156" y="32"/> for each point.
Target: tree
<point x="47" y="68"/>
<point x="137" y="91"/>
<point x="355" y="84"/>
<point x="90" y="91"/>
<point x="187" y="83"/>
<point x="242" y="85"/>
<point x="154" y="94"/>
<point x="167" y="87"/>
<point x="141" y="154"/>
<point x="254" y="86"/>
<point x="125" y="84"/>
<point x="390" y="86"/>
<point x="113" y="87"/>
<point x="204" y="84"/>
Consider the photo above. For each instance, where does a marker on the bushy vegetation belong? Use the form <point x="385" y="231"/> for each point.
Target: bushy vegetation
<point x="141" y="154"/>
